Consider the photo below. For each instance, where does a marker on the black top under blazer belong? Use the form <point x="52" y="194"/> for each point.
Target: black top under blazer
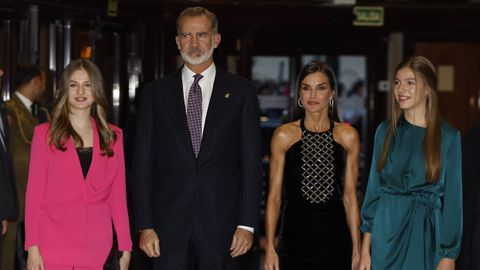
<point x="177" y="194"/>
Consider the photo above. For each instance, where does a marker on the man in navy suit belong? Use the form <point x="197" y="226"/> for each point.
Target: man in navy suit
<point x="197" y="160"/>
<point x="8" y="193"/>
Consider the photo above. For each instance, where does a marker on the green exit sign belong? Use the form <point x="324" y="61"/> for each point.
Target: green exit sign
<point x="368" y="16"/>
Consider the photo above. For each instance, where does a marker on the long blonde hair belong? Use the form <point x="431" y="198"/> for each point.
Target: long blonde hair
<point x="424" y="72"/>
<point x="61" y="129"/>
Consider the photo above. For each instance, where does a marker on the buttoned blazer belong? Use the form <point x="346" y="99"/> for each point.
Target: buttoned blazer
<point x="8" y="191"/>
<point x="178" y="194"/>
<point x="67" y="216"/>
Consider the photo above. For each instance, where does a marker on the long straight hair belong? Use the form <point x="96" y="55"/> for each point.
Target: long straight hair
<point x="61" y="129"/>
<point x="424" y="73"/>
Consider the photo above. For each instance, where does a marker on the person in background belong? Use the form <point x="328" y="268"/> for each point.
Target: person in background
<point x="24" y="114"/>
<point x="197" y="160"/>
<point x="354" y="106"/>
<point x="76" y="180"/>
<point x="8" y="191"/>
<point x="468" y="259"/>
<point x="412" y="210"/>
<point x="315" y="162"/>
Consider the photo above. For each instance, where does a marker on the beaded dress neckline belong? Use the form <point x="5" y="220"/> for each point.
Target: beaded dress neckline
<point x="317" y="153"/>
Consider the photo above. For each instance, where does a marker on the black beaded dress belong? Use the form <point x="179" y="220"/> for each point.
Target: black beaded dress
<point x="313" y="231"/>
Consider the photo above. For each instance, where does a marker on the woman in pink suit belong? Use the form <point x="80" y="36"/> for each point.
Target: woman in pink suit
<point x="76" y="183"/>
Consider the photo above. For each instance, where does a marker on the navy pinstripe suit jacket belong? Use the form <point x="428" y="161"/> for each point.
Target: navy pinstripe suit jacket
<point x="177" y="194"/>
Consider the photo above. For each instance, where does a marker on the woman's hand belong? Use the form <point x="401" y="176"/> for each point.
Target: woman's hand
<point x="125" y="260"/>
<point x="34" y="260"/>
<point x="271" y="259"/>
<point x="355" y="258"/>
<point x="365" y="261"/>
<point x="446" y="264"/>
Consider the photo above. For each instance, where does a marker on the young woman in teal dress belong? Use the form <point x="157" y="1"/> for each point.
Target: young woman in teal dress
<point x="314" y="163"/>
<point x="412" y="211"/>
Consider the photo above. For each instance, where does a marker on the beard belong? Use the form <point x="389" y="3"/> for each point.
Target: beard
<point x="205" y="55"/>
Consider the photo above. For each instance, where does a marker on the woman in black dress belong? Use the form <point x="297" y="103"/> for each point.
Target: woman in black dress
<point x="314" y="162"/>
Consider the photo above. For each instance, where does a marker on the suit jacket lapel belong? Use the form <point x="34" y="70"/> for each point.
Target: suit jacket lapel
<point x="25" y="111"/>
<point x="175" y="102"/>
<point x="220" y="95"/>
<point x="95" y="154"/>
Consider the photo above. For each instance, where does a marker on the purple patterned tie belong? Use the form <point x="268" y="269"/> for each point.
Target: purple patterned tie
<point x="194" y="113"/>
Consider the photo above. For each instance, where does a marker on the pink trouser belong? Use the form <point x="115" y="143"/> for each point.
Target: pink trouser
<point x="69" y="267"/>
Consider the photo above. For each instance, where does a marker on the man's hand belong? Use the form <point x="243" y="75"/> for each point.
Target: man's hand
<point x="241" y="243"/>
<point x="149" y="243"/>
<point x="4" y="226"/>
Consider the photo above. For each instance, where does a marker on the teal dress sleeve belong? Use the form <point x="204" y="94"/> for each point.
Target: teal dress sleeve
<point x="452" y="216"/>
<point x="372" y="195"/>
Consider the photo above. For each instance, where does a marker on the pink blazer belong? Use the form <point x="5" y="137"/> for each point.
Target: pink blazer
<point x="69" y="218"/>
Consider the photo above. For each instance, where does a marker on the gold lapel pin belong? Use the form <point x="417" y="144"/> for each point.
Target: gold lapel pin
<point x="227" y="95"/>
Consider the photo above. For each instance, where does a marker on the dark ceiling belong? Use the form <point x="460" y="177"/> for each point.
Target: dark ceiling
<point x="271" y="12"/>
<point x="248" y="2"/>
<point x="289" y="3"/>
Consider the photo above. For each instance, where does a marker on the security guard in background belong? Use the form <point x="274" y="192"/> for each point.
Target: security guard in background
<point x="23" y="113"/>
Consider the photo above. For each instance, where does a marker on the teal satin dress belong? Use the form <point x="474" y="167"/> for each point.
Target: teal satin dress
<point x="413" y="223"/>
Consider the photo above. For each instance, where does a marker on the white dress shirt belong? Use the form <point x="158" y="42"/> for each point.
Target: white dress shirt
<point x="27" y="102"/>
<point x="206" y="83"/>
